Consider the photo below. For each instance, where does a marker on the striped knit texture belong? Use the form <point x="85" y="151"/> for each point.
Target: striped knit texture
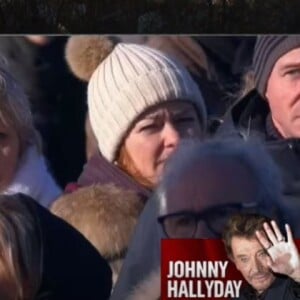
<point x="268" y="50"/>
<point x="129" y="81"/>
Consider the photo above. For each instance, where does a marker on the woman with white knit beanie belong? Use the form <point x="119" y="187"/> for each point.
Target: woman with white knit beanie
<point x="141" y="104"/>
<point x="137" y="94"/>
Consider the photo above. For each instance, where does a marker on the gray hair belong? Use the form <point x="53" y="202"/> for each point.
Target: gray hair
<point x="15" y="110"/>
<point x="250" y="154"/>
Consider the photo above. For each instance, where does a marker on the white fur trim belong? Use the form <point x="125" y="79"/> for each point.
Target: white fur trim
<point x="33" y="179"/>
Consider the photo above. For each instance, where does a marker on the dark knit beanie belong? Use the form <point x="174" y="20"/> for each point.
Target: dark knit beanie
<point x="268" y="49"/>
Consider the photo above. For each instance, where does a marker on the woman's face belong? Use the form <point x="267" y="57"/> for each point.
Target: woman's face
<point x="9" y="154"/>
<point x="156" y="135"/>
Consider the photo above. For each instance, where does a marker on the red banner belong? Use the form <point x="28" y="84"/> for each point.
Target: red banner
<point x="198" y="269"/>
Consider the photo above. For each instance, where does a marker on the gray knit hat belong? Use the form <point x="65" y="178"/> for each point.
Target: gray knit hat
<point x="129" y="80"/>
<point x="268" y="49"/>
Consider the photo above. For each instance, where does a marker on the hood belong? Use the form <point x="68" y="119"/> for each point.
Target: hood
<point x="105" y="214"/>
<point x="249" y="114"/>
<point x="249" y="117"/>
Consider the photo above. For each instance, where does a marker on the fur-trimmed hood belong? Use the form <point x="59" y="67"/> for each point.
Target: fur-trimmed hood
<point x="149" y="289"/>
<point x="104" y="205"/>
<point x="105" y="214"/>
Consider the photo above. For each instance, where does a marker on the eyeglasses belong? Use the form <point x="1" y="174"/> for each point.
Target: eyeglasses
<point x="184" y="224"/>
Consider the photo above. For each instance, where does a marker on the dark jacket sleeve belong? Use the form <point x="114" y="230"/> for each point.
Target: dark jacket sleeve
<point x="143" y="255"/>
<point x="72" y="267"/>
<point x="295" y="289"/>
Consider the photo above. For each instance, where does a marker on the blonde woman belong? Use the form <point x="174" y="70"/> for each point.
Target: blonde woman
<point x="23" y="168"/>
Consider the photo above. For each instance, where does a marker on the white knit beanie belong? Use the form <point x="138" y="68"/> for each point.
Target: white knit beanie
<point x="128" y="81"/>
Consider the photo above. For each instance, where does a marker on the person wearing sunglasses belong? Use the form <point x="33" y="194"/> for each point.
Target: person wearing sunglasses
<point x="208" y="183"/>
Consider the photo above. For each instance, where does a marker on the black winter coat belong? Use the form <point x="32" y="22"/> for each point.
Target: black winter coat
<point x="72" y="269"/>
<point x="282" y="288"/>
<point x="250" y="119"/>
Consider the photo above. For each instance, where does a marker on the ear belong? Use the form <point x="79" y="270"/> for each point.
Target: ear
<point x="265" y="98"/>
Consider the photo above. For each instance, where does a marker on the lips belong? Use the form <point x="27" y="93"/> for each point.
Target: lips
<point x="260" y="277"/>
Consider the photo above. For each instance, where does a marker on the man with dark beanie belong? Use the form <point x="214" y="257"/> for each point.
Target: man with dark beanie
<point x="270" y="111"/>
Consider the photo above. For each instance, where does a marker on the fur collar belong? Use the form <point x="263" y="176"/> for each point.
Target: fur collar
<point x="33" y="179"/>
<point x="105" y="214"/>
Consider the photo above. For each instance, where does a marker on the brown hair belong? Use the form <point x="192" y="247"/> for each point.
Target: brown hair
<point x="242" y="225"/>
<point x="126" y="163"/>
<point x="20" y="250"/>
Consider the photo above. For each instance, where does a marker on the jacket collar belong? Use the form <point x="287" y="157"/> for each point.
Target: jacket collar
<point x="249" y="115"/>
<point x="271" y="130"/>
<point x="100" y="171"/>
<point x="277" y="285"/>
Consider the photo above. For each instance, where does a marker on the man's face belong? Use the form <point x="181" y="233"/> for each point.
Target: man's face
<point x="283" y="94"/>
<point x="250" y="259"/>
<point x="210" y="188"/>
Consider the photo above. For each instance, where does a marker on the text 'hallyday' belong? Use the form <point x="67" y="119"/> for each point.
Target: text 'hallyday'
<point x="203" y="289"/>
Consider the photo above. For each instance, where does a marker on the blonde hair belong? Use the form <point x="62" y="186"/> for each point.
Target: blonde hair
<point x="20" y="249"/>
<point x="15" y="110"/>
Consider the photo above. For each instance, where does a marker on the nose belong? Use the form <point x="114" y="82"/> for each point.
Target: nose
<point x="256" y="265"/>
<point x="171" y="135"/>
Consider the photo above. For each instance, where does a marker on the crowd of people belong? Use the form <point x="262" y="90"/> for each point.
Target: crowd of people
<point x="145" y="138"/>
